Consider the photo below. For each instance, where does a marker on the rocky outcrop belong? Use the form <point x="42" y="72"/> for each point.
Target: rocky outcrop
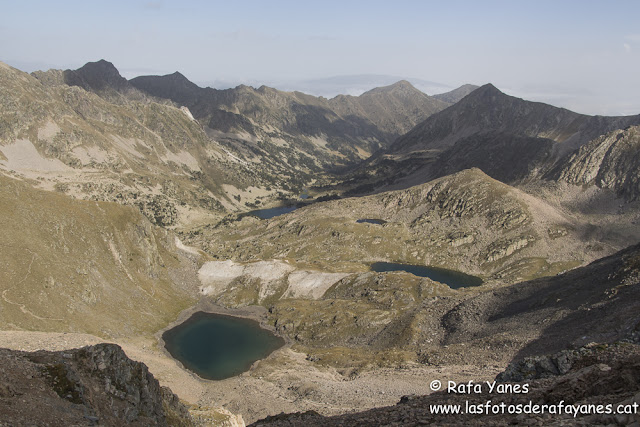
<point x="570" y="394"/>
<point x="97" y="385"/>
<point x="158" y="209"/>
<point x="533" y="368"/>
<point x="611" y="161"/>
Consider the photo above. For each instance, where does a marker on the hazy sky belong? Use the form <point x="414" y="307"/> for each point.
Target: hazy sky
<point x="583" y="55"/>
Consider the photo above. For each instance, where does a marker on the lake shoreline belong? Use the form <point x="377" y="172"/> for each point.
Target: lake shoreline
<point x="256" y="313"/>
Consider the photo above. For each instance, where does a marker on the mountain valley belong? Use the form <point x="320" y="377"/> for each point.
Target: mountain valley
<point x="127" y="206"/>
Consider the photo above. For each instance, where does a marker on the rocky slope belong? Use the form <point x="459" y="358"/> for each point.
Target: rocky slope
<point x="320" y="292"/>
<point x="96" y="385"/>
<point x="510" y="139"/>
<point x="611" y="161"/>
<point x="589" y="315"/>
<point x="601" y="375"/>
<point x="457" y="94"/>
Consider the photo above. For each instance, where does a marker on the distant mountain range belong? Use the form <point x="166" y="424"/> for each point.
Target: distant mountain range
<point x="319" y="134"/>
<point x="322" y="134"/>
<point x="339" y="85"/>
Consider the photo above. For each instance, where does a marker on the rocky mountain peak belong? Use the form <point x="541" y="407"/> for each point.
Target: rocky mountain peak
<point x="96" y="76"/>
<point x="178" y="77"/>
<point x="487" y="92"/>
<point x="457" y="94"/>
<point x="401" y="86"/>
<point x="507" y="137"/>
<point x="173" y="86"/>
<point x="101" y="64"/>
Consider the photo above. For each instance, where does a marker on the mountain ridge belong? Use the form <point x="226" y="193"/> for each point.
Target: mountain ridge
<point x="486" y="129"/>
<point x="351" y="127"/>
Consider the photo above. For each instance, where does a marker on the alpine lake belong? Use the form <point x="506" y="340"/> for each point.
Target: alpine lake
<point x="451" y="278"/>
<point x="216" y="346"/>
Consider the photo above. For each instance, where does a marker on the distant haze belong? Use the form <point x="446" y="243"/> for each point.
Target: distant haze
<point x="337" y="85"/>
<point x="584" y="56"/>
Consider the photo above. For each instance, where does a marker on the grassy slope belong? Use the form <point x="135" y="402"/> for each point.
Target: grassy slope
<point x="81" y="266"/>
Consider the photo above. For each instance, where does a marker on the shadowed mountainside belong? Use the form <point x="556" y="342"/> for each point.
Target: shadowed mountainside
<point x="510" y="139"/>
<point x="611" y="161"/>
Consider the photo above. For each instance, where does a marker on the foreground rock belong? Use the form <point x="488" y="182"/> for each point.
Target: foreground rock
<point x="97" y="385"/>
<point x="589" y="382"/>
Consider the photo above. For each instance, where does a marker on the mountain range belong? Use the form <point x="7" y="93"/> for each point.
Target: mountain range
<point x="330" y="87"/>
<point x="510" y="139"/>
<point x="220" y="146"/>
<point x="324" y="134"/>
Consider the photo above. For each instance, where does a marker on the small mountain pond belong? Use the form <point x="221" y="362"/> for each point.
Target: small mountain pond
<point x="272" y="212"/>
<point x="454" y="279"/>
<point x="371" y="221"/>
<point x="217" y="346"/>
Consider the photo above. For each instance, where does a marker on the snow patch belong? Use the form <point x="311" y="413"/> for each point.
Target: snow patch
<point x="186" y="111"/>
<point x="216" y="276"/>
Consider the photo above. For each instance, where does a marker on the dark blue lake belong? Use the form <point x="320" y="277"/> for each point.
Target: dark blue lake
<point x="216" y="346"/>
<point x="272" y="212"/>
<point x="454" y="279"/>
